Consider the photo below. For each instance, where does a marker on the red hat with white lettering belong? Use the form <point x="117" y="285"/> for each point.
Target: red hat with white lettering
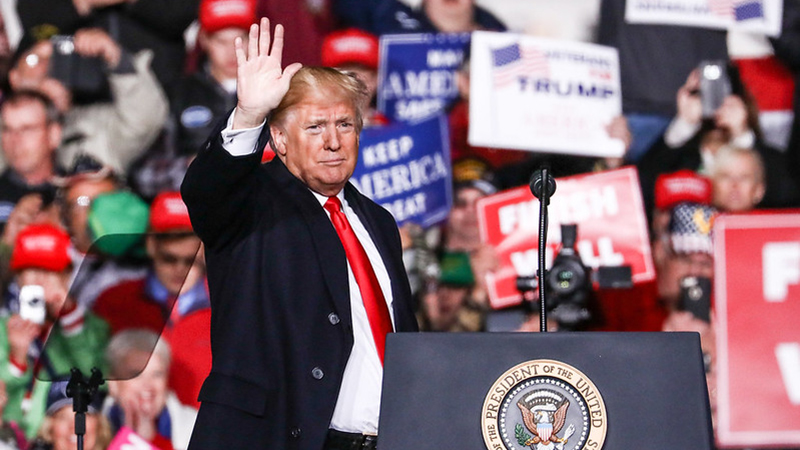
<point x="168" y="214"/>
<point x="215" y="15"/>
<point x="350" y="46"/>
<point x="682" y="186"/>
<point x="41" y="246"/>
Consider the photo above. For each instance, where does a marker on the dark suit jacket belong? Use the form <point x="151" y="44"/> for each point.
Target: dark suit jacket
<point x="281" y="327"/>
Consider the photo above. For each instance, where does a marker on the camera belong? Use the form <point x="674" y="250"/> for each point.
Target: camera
<point x="715" y="86"/>
<point x="568" y="283"/>
<point x="84" y="76"/>
<point x="32" y="304"/>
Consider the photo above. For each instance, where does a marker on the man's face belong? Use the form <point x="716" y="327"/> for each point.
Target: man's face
<point x="737" y="186"/>
<point x="221" y="55"/>
<point x="77" y="201"/>
<point x="145" y="391"/>
<point x="29" y="140"/>
<point x="439" y="8"/>
<point x="62" y="429"/>
<point x="173" y="259"/>
<point x="318" y="142"/>
<point x="463" y="220"/>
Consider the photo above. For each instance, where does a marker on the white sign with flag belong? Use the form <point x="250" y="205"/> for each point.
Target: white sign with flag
<point x="757" y="16"/>
<point x="544" y="95"/>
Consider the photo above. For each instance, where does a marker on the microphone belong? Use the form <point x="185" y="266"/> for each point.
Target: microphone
<point x="543" y="186"/>
<point x="537" y="183"/>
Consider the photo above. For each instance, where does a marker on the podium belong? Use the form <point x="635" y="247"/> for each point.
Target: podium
<point x="472" y="391"/>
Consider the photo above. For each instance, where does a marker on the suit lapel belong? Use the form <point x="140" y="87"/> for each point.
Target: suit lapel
<point x="390" y="259"/>
<point x="329" y="251"/>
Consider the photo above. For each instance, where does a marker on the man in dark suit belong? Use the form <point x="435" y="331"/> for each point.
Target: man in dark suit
<point x="297" y="333"/>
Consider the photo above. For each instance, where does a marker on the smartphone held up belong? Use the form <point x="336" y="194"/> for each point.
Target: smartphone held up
<point x="715" y="86"/>
<point x="32" y="304"/>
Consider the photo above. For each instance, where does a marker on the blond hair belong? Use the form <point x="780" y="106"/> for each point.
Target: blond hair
<point x="727" y="152"/>
<point x="325" y="82"/>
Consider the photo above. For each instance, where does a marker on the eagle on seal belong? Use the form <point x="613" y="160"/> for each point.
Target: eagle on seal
<point x="545" y="421"/>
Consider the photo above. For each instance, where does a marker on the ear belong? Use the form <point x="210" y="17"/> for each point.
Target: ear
<point x="54" y="133"/>
<point x="462" y="83"/>
<point x="14" y="77"/>
<point x="758" y="195"/>
<point x="659" y="252"/>
<point x="150" y="243"/>
<point x="278" y="139"/>
<point x="202" y="39"/>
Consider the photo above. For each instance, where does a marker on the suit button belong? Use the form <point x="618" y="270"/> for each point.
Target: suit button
<point x="317" y="373"/>
<point x="295" y="432"/>
<point x="333" y="318"/>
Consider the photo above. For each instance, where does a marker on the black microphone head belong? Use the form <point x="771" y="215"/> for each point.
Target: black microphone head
<point x="537" y="182"/>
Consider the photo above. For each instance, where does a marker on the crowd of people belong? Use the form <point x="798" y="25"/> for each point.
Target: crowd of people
<point x="105" y="103"/>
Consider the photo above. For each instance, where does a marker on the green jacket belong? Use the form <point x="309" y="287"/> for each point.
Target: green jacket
<point x="83" y="349"/>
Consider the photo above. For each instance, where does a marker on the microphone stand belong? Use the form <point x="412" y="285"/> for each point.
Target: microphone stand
<point x="82" y="390"/>
<point x="542" y="187"/>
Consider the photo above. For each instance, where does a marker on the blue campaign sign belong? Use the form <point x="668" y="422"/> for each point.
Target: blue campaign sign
<point x="416" y="73"/>
<point x="406" y="169"/>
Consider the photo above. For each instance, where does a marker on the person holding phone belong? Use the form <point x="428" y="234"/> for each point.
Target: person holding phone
<point x="115" y="126"/>
<point x="716" y="110"/>
<point x="50" y="333"/>
<point x="685" y="277"/>
<point x="30" y="134"/>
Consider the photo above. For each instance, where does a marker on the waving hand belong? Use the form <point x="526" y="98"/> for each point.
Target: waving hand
<point x="261" y="82"/>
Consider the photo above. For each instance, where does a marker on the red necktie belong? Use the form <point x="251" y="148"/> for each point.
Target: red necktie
<point x="377" y="312"/>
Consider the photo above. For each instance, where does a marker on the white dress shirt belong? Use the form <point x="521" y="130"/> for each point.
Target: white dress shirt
<point x="358" y="405"/>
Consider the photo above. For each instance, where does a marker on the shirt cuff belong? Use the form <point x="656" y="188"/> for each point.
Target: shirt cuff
<point x="240" y="142"/>
<point x="679" y="132"/>
<point x="15" y="368"/>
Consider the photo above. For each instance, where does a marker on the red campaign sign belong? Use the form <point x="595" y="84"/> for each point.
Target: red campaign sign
<point x="757" y="302"/>
<point x="612" y="228"/>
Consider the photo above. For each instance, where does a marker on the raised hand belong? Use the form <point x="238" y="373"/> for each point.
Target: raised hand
<point x="261" y="82"/>
<point x="732" y="115"/>
<point x="690" y="108"/>
<point x="21" y="334"/>
<point x="91" y="42"/>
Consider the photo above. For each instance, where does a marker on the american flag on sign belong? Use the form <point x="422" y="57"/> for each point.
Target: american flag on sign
<point x="512" y="61"/>
<point x="749" y="9"/>
<point x="722" y="8"/>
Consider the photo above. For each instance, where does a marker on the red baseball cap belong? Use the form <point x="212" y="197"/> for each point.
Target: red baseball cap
<point x="682" y="186"/>
<point x="168" y="214"/>
<point x="350" y="46"/>
<point x="42" y="246"/>
<point x="215" y="15"/>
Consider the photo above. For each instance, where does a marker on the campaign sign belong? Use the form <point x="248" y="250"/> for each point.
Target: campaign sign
<point x="543" y="95"/>
<point x="416" y="73"/>
<point x="607" y="208"/>
<point x="755" y="16"/>
<point x="757" y="303"/>
<point x="406" y="169"/>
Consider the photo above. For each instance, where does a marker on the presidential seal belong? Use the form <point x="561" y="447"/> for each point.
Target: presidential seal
<point x="543" y="405"/>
